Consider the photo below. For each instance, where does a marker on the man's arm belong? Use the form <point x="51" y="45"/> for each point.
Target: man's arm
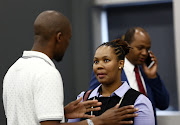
<point x="112" y="116"/>
<point x="159" y="91"/>
<point x="77" y="109"/>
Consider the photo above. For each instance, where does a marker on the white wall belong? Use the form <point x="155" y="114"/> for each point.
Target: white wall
<point x="176" y="9"/>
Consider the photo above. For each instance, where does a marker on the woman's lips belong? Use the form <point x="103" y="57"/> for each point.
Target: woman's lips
<point x="101" y="75"/>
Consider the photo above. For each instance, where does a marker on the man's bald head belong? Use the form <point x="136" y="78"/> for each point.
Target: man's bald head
<point x="129" y="35"/>
<point x="48" y="23"/>
<point x="52" y="34"/>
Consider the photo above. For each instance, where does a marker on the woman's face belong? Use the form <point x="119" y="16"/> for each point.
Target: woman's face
<point x="106" y="66"/>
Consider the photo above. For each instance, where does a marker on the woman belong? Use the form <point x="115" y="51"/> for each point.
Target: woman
<point x="108" y="64"/>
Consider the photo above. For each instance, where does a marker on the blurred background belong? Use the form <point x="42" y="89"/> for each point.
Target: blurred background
<point x="94" y="22"/>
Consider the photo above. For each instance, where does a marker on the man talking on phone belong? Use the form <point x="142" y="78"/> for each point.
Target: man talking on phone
<point x="141" y="76"/>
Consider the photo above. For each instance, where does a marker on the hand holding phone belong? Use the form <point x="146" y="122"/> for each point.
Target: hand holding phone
<point x="148" y="61"/>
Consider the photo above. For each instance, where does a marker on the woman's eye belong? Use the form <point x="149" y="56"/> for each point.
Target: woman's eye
<point x="95" y="61"/>
<point x="106" y="60"/>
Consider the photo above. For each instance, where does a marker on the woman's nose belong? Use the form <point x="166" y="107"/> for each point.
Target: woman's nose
<point x="100" y="65"/>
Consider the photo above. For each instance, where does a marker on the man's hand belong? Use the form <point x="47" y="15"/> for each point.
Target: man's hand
<point x="116" y="115"/>
<point x="77" y="109"/>
<point x="151" y="72"/>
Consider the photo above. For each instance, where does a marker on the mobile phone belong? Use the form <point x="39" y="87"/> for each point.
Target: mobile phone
<point x="148" y="61"/>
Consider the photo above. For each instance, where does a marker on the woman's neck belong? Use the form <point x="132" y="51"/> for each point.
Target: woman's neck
<point x="107" y="90"/>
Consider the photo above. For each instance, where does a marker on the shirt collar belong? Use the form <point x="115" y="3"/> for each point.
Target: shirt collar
<point x="128" y="65"/>
<point x="119" y="92"/>
<point x="36" y="54"/>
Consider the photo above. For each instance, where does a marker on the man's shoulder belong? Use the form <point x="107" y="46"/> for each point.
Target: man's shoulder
<point x="33" y="65"/>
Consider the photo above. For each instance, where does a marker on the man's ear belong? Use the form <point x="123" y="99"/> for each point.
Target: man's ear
<point x="58" y="36"/>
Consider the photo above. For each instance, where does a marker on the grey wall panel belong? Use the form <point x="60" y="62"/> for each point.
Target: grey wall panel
<point x="16" y="31"/>
<point x="16" y="34"/>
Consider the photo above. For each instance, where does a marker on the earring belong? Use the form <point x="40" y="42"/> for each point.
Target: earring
<point x="119" y="68"/>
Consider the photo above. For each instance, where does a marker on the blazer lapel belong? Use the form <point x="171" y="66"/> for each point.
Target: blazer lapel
<point x="123" y="77"/>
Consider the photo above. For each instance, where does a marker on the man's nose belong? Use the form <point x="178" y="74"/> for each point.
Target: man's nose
<point x="145" y="52"/>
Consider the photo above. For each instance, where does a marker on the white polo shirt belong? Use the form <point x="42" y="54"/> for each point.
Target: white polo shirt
<point x="33" y="90"/>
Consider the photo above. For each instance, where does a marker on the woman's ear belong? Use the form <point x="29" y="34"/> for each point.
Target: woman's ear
<point x="58" y="36"/>
<point x="121" y="64"/>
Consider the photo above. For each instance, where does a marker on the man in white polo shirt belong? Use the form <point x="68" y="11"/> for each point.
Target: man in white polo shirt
<point x="33" y="88"/>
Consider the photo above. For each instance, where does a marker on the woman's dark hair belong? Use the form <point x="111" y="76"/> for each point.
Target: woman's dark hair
<point x="121" y="47"/>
